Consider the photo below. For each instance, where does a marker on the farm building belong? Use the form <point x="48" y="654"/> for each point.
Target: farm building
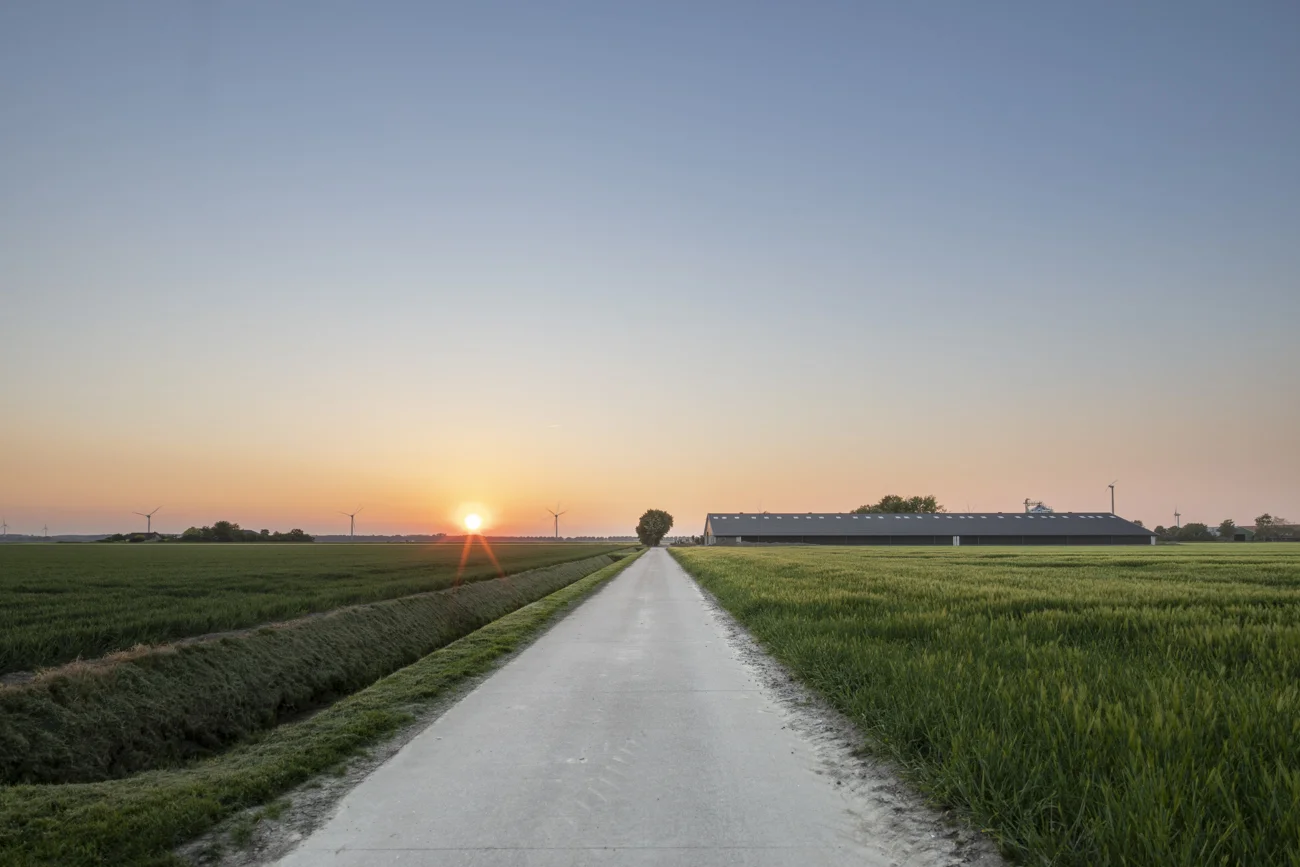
<point x="984" y="528"/>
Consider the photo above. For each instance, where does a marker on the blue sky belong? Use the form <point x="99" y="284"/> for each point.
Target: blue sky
<point x="805" y="253"/>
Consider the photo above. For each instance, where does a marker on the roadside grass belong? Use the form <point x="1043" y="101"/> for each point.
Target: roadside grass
<point x="1085" y="707"/>
<point x="141" y="819"/>
<point x="162" y="706"/>
<point x="63" y="602"/>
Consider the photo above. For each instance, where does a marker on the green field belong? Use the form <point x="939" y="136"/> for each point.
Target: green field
<point x="61" y="602"/>
<point x="1097" y="707"/>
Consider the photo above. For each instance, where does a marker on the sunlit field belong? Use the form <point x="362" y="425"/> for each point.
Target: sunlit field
<point x="61" y="602"/>
<point x="1134" y="707"/>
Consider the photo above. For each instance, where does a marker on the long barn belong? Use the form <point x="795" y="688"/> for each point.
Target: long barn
<point x="945" y="528"/>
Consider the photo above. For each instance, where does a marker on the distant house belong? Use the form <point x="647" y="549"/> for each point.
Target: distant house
<point x="1243" y="534"/>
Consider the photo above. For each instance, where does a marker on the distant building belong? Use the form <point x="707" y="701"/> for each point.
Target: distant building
<point x="956" y="528"/>
<point x="1243" y="534"/>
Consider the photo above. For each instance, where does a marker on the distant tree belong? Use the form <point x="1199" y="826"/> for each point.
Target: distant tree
<point x="1269" y="527"/>
<point x="193" y="534"/>
<point x="1160" y="530"/>
<point x="654" y="525"/>
<point x="893" y="504"/>
<point x="1194" y="532"/>
<point x="1139" y="523"/>
<point x="1227" y="528"/>
<point x="224" y="531"/>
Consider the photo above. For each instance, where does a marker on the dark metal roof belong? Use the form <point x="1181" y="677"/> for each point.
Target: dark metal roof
<point x="944" y="523"/>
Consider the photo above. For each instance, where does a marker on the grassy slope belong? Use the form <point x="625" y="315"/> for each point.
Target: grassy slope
<point x="1135" y="707"/>
<point x="138" y="821"/>
<point x="61" y="602"/>
<point x="80" y="724"/>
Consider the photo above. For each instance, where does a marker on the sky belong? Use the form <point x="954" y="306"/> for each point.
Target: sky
<point x="270" y="262"/>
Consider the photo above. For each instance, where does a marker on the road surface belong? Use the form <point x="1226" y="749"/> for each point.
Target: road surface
<point x="632" y="733"/>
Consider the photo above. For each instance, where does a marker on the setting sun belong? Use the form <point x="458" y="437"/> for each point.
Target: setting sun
<point x="473" y="522"/>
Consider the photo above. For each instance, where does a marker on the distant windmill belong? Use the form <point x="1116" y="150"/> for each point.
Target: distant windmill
<point x="1112" y="496"/>
<point x="46" y="530"/>
<point x="352" y="519"/>
<point x="1177" y="517"/>
<point x="557" y="513"/>
<point x="4" y="527"/>
<point x="148" y="519"/>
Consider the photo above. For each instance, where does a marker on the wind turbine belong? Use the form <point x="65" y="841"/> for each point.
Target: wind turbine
<point x="1177" y="517"/>
<point x="1112" y="496"/>
<point x="148" y="519"/>
<point x="4" y="527"/>
<point x="46" y="530"/>
<point x="557" y="513"/>
<point x="352" y="521"/>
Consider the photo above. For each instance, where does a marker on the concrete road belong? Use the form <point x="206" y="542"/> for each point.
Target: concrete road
<point x="632" y="733"/>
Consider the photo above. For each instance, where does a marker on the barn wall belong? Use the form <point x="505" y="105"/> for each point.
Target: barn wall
<point x="932" y="540"/>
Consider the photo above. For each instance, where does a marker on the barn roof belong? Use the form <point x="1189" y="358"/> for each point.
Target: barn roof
<point x="942" y="524"/>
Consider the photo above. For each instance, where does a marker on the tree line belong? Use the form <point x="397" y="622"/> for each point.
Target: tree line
<point x="1267" y="528"/>
<point x="892" y="504"/>
<point x="228" y="531"/>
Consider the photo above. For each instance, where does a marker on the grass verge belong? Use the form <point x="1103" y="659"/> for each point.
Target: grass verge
<point x="140" y="820"/>
<point x="163" y="706"/>
<point x="1087" y="708"/>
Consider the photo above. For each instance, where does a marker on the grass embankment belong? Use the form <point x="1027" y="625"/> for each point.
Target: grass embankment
<point x="140" y="820"/>
<point x="160" y="707"/>
<point x="1090" y="708"/>
<point x="63" y="602"/>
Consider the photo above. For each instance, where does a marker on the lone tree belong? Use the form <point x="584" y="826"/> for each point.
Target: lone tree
<point x="893" y="504"/>
<point x="655" y="524"/>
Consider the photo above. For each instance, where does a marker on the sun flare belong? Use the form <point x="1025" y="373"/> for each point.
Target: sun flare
<point x="473" y="522"/>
